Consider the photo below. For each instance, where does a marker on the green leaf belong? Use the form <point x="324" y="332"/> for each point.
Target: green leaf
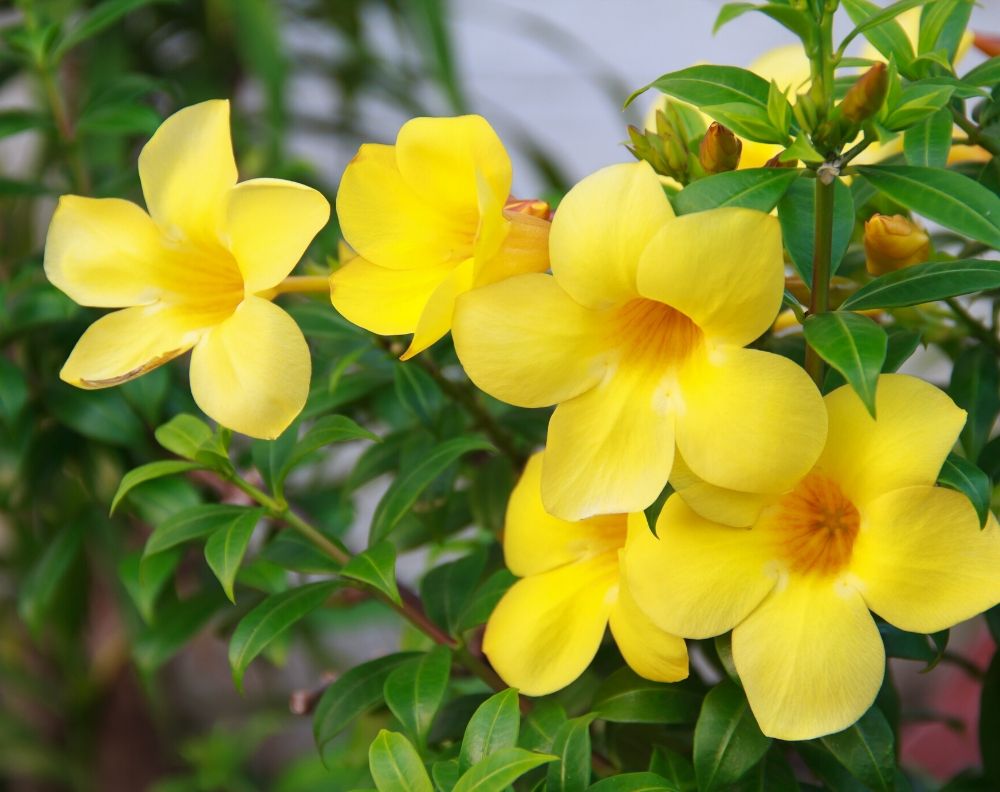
<point x="417" y="392"/>
<point x="880" y="27"/>
<point x="676" y="769"/>
<point x="925" y="282"/>
<point x="916" y="103"/>
<point x="493" y="726"/>
<point x="326" y="431"/>
<point x="750" y="121"/>
<point x="376" y="567"/>
<point x="225" y="548"/>
<point x="986" y="74"/>
<point x="499" y="770"/>
<point x="572" y="747"/>
<point x="395" y="765"/>
<point x="271" y="457"/>
<point x="144" y="582"/>
<point x="445" y="774"/>
<point x="945" y="197"/>
<point x="414" y="691"/>
<point x="184" y="435"/>
<point x="99" y="18"/>
<point x="270" y="619"/>
<point x="37" y="591"/>
<point x="796" y="211"/>
<point x="101" y="415"/>
<point x="177" y="621"/>
<point x="975" y="387"/>
<point x="634" y="782"/>
<point x="727" y="740"/>
<point x="753" y="188"/>
<point x="959" y="474"/>
<point x="13" y="390"/>
<point x="799" y="22"/>
<point x="484" y="599"/>
<point x="538" y="732"/>
<point x="445" y="589"/>
<point x="942" y="25"/>
<point x="14" y="121"/>
<point x="854" y="345"/>
<point x="193" y="523"/>
<point x="404" y="491"/>
<point x="148" y="472"/>
<point x="705" y="86"/>
<point x="801" y="149"/>
<point x="989" y="721"/>
<point x="625" y="697"/>
<point x="124" y="118"/>
<point x="356" y="692"/>
<point x="866" y="749"/>
<point x="927" y="144"/>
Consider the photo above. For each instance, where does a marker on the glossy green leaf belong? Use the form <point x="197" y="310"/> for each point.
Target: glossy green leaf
<point x="753" y="188"/>
<point x="633" y="782"/>
<point x="796" y="212"/>
<point x="925" y="282"/>
<point x="945" y="197"/>
<point x="675" y="768"/>
<point x="774" y="774"/>
<point x="417" y="392"/>
<point x="376" y="567"/>
<point x="404" y="491"/>
<point x="145" y="581"/>
<point x="727" y="741"/>
<point x="917" y="102"/>
<point x="124" y="118"/>
<point x="415" y="690"/>
<point x="484" y="599"/>
<point x="494" y="725"/>
<point x="225" y="548"/>
<point x="99" y="18"/>
<point x="959" y="474"/>
<point x="37" y="591"/>
<point x="195" y="522"/>
<point x="499" y="770"/>
<point x="928" y="143"/>
<point x="270" y="619"/>
<point x="571" y="773"/>
<point x="538" y="731"/>
<point x="797" y="21"/>
<point x="445" y="774"/>
<point x="866" y="749"/>
<point x="975" y="387"/>
<point x="707" y="85"/>
<point x="101" y="415"/>
<point x="854" y="345"/>
<point x="625" y="697"/>
<point x="326" y="431"/>
<point x="357" y="691"/>
<point x="445" y="589"/>
<point x="395" y="765"/>
<point x="880" y="27"/>
<point x="986" y="74"/>
<point x="750" y="121"/>
<point x="942" y="25"/>
<point x="148" y="472"/>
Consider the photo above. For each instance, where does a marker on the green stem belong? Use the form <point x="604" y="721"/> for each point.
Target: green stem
<point x="974" y="134"/>
<point x="819" y="296"/>
<point x="975" y="326"/>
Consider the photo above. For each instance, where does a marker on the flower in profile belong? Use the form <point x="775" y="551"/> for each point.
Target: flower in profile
<point x="638" y="337"/>
<point x="865" y="529"/>
<point x="547" y="628"/>
<point x="194" y="273"/>
<point x="893" y="242"/>
<point x="428" y="222"/>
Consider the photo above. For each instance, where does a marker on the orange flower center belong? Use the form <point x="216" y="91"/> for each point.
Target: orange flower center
<point x="652" y="334"/>
<point x="816" y="526"/>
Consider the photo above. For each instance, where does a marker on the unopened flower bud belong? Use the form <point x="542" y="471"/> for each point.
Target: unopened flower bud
<point x="720" y="149"/>
<point x="894" y="242"/>
<point x="535" y="207"/>
<point x="664" y="149"/>
<point x="866" y="96"/>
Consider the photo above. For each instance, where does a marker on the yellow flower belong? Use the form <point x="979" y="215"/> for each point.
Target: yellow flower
<point x="865" y="529"/>
<point x="638" y="336"/>
<point x="427" y="220"/>
<point x="893" y="242"/>
<point x="548" y="626"/>
<point x="194" y="274"/>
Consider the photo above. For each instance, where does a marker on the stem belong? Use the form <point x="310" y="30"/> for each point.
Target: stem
<point x="973" y="132"/>
<point x="819" y="296"/>
<point x="975" y="326"/>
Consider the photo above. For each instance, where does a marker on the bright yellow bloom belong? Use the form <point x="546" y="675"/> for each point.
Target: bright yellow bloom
<point x="893" y="242"/>
<point x="549" y="625"/>
<point x="427" y="220"/>
<point x="194" y="273"/>
<point x="638" y="336"/>
<point x="865" y="529"/>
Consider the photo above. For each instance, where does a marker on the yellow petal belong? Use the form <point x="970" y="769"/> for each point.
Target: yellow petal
<point x="649" y="651"/>
<point x="445" y="160"/>
<point x="729" y="507"/>
<point x="388" y="223"/>
<point x="916" y="428"/>
<point x="534" y="541"/>
<point x="187" y="169"/>
<point x="126" y="344"/>
<point x="526" y="342"/>
<point x="436" y="318"/>
<point x="546" y="629"/>
<point x="251" y="372"/>
<point x="699" y="578"/>
<point x="104" y="252"/>
<point x="722" y="268"/>
<point x="270" y="223"/>
<point x="922" y="561"/>
<point x="610" y="449"/>
<point x="382" y="300"/>
<point x="600" y="230"/>
<point x="752" y="421"/>
<point x="524" y="249"/>
<point x="810" y="659"/>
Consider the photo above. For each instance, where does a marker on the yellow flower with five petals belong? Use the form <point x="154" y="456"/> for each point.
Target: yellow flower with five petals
<point x="866" y="529"/>
<point x="638" y="337"/>
<point x="427" y="220"/>
<point x="194" y="274"/>
<point x="547" y="628"/>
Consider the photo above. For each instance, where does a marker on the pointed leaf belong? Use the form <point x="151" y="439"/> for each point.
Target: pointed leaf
<point x="445" y="589"/>
<point x="494" y="725"/>
<point x="634" y="782"/>
<point x="225" y="548"/>
<point x="727" y="740"/>
<point x="184" y="435"/>
<point x="326" y="431"/>
<point x="975" y="387"/>
<point x="925" y="282"/>
<point x="376" y="567"/>
<point x="867" y="750"/>
<point x="414" y="691"/>
<point x="572" y="747"/>
<point x="625" y="697"/>
<point x="395" y="765"/>
<point x="148" y="472"/>
<point x="928" y="143"/>
<point x="192" y="523"/>
<point x="796" y="211"/>
<point x="499" y="770"/>
<point x="854" y="345"/>
<point x="753" y="188"/>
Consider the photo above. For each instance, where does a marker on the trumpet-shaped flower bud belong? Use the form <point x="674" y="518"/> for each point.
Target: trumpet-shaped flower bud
<point x="866" y="96"/>
<point x="720" y="149"/>
<point x="665" y="149"/>
<point x="893" y="242"/>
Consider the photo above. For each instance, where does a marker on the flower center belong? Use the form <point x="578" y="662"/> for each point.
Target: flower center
<point x="652" y="334"/>
<point x="206" y="281"/>
<point x="816" y="526"/>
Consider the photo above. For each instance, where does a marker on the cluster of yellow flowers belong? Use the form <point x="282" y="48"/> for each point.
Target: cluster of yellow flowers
<point x="793" y="516"/>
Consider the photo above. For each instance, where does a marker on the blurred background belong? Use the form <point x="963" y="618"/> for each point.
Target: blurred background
<point x="90" y="697"/>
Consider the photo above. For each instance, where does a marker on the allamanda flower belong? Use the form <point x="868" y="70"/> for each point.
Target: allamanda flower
<point x="638" y="337"/>
<point x="195" y="273"/>
<point x="865" y="529"/>
<point x="427" y="219"/>
<point x="549" y="625"/>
